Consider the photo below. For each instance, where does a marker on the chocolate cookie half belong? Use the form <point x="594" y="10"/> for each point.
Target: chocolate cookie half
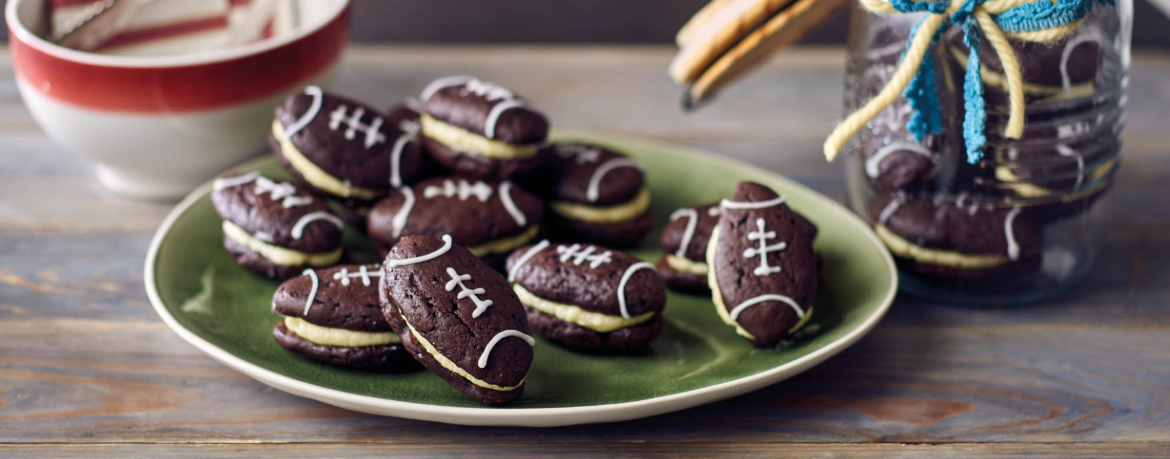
<point x="333" y="315"/>
<point x="343" y="148"/>
<point x="1064" y="174"/>
<point x="275" y="229"/>
<point x="955" y="236"/>
<point x="488" y="218"/>
<point x="684" y="246"/>
<point x="587" y="297"/>
<point x="596" y="195"/>
<point x="763" y="274"/>
<point x="479" y="129"/>
<point x="457" y="317"/>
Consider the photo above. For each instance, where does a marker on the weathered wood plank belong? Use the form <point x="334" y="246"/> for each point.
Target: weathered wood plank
<point x="83" y="358"/>
<point x="906" y="383"/>
<point x="573" y="450"/>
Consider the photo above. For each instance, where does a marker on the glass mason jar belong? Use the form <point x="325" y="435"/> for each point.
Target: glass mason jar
<point x="1024" y="223"/>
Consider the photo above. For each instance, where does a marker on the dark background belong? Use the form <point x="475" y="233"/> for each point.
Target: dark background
<point x="589" y="21"/>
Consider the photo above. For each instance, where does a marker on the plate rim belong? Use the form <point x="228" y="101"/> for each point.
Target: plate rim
<point x="529" y="417"/>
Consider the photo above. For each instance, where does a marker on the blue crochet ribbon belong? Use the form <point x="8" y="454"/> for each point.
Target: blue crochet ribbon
<point x="921" y="92"/>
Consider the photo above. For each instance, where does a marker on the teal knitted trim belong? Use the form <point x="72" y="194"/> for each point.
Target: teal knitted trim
<point x="921" y="92"/>
<point x="975" y="115"/>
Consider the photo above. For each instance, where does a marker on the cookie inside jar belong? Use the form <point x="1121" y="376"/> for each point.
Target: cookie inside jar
<point x="1003" y="200"/>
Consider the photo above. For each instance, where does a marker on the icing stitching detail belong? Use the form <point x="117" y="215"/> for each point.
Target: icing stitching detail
<point x="510" y="206"/>
<point x="372" y="131"/>
<point x="463" y="190"/>
<point x="483" y="358"/>
<point x="580" y="256"/>
<point x="689" y="232"/>
<point x="311" y="113"/>
<point x="298" y="229"/>
<point x="524" y="258"/>
<point x="344" y="275"/>
<point x="281" y="191"/>
<point x="734" y="314"/>
<point x="312" y="291"/>
<point x="762" y="235"/>
<point x="421" y="258"/>
<point x="622" y="285"/>
<point x="457" y="279"/>
<point x="592" y="193"/>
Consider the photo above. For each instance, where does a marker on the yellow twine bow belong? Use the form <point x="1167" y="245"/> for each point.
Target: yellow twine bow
<point x="919" y="44"/>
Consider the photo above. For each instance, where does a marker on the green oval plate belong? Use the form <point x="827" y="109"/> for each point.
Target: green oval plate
<point x="224" y="310"/>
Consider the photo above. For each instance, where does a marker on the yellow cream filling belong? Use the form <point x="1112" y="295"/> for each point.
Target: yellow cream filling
<point x="505" y="244"/>
<point x="1027" y="190"/>
<point x="315" y="175"/>
<point x="330" y="336"/>
<point x="1053" y="93"/>
<point x="903" y="248"/>
<point x="601" y="323"/>
<point x="685" y="265"/>
<point x="279" y="255"/>
<point x="1030" y="190"/>
<point x="462" y="140"/>
<point x="604" y="214"/>
<point x="717" y="295"/>
<point x="451" y="366"/>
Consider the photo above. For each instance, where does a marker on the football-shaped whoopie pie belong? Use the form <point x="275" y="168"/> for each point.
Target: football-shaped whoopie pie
<point x="595" y="194"/>
<point x="489" y="218"/>
<point x="684" y="248"/>
<point x="333" y="315"/>
<point x="479" y="129"/>
<point x="356" y="211"/>
<point x="684" y="240"/>
<point x="763" y="272"/>
<point x="344" y="148"/>
<point x="274" y="228"/>
<point x="587" y="297"/>
<point x="458" y="317"/>
<point x="956" y="236"/>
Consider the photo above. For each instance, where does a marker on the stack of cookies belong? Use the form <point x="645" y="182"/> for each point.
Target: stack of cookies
<point x="954" y="222"/>
<point x="488" y="233"/>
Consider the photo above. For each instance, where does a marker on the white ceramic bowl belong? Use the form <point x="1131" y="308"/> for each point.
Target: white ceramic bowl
<point x="157" y="127"/>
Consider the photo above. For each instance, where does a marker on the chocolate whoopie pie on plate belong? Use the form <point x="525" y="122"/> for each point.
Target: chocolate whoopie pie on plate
<point x="488" y="218"/>
<point x="333" y="315"/>
<point x="479" y="129"/>
<point x="684" y="248"/>
<point x="587" y="297"/>
<point x="457" y="317"/>
<point x="955" y="236"/>
<point x="763" y="274"/>
<point x="275" y="229"/>
<point x="595" y="195"/>
<point x="356" y="211"/>
<point x="343" y="148"/>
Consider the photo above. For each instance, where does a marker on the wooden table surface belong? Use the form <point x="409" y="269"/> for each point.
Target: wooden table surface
<point x="88" y="369"/>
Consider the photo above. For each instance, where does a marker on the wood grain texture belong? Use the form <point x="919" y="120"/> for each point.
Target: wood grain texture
<point x="86" y="368"/>
<point x="593" y="450"/>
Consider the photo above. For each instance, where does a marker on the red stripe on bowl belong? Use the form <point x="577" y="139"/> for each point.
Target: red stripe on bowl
<point x="131" y="37"/>
<point x="182" y="88"/>
<point x="68" y="3"/>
